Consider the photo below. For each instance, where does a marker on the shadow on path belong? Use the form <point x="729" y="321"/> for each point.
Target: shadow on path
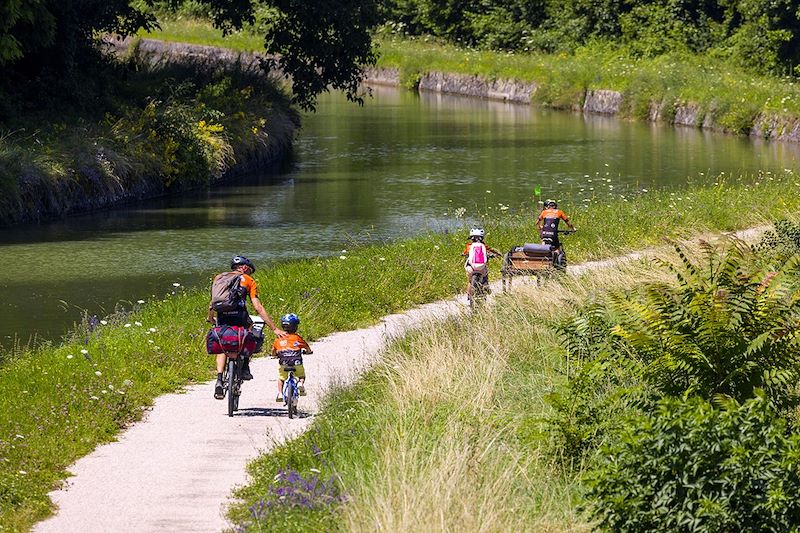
<point x="269" y="411"/>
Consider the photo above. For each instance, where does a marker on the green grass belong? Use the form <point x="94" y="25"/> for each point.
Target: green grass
<point x="47" y="396"/>
<point x="166" y="127"/>
<point x="446" y="432"/>
<point x="732" y="96"/>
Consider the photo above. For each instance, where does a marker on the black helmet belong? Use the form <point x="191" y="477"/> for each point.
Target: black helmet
<point x="550" y="203"/>
<point x="239" y="260"/>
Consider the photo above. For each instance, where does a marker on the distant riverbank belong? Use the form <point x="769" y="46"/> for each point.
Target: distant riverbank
<point x="174" y="125"/>
<point x="685" y="90"/>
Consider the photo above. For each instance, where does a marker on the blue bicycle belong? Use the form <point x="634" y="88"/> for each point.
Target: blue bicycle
<point x="290" y="391"/>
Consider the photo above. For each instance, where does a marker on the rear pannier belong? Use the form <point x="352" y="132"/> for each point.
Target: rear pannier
<point x="230" y="339"/>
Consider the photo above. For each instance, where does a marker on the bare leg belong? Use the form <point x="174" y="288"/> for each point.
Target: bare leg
<point x="221" y="358"/>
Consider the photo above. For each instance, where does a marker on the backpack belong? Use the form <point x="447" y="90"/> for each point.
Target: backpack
<point x="227" y="294"/>
<point x="477" y="254"/>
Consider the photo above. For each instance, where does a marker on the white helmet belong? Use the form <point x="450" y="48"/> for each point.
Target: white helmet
<point x="477" y="232"/>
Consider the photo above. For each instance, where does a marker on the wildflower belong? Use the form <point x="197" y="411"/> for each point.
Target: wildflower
<point x="93" y="398"/>
<point x="84" y="352"/>
<point x="69" y="356"/>
<point x="488" y="191"/>
<point x="19" y="436"/>
<point x="344" y="251"/>
<point x="127" y="383"/>
<point x="150" y="341"/>
<point x="342" y="257"/>
<point x="138" y="323"/>
<point x="152" y="330"/>
<point x="104" y="391"/>
<point x="315" y="470"/>
<point x="128" y="325"/>
<point x="139" y="301"/>
<point x="381" y="259"/>
<point x="23" y="473"/>
<point x="98" y="373"/>
<point x="176" y="284"/>
<point x="435" y="246"/>
<point x="104" y="322"/>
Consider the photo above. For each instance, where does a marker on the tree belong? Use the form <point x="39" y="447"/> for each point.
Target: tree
<point x="316" y="43"/>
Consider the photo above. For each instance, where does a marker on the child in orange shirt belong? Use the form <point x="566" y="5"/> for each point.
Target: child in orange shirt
<point x="289" y="351"/>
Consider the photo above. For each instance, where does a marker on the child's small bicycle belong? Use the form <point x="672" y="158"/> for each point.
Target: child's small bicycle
<point x="290" y="391"/>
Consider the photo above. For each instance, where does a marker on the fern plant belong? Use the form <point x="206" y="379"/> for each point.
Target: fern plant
<point x="724" y="329"/>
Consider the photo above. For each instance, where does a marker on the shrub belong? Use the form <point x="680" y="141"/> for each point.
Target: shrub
<point x="781" y="242"/>
<point x="694" y="467"/>
<point x="724" y="328"/>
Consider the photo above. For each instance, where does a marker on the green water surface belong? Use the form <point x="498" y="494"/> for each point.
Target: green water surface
<point x="402" y="164"/>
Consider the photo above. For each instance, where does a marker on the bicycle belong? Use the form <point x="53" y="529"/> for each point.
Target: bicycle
<point x="479" y="282"/>
<point x="291" y="393"/>
<point x="559" y="254"/>
<point x="232" y="372"/>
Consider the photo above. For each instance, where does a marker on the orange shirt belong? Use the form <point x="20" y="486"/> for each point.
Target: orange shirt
<point x="249" y="284"/>
<point x="289" y="346"/>
<point x="553" y="213"/>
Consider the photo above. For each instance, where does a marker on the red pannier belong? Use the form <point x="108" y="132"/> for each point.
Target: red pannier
<point x="230" y="339"/>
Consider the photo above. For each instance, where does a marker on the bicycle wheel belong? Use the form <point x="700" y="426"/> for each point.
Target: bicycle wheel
<point x="475" y="283"/>
<point x="291" y="398"/>
<point x="232" y="398"/>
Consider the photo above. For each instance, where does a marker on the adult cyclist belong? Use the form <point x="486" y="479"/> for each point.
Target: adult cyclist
<point x="241" y="317"/>
<point x="548" y="221"/>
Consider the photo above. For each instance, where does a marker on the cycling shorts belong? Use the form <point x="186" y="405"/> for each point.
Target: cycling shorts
<point x="299" y="372"/>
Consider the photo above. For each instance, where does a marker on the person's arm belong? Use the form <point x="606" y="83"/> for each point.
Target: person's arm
<point x="265" y="317"/>
<point x="306" y="347"/>
<point x="466" y="250"/>
<point x="539" y="223"/>
<point x="566" y="221"/>
<point x="210" y="317"/>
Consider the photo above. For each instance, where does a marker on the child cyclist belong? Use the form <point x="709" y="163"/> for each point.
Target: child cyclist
<point x="289" y="351"/>
<point x="477" y="254"/>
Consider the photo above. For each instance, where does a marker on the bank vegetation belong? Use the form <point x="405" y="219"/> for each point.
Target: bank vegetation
<point x="60" y="401"/>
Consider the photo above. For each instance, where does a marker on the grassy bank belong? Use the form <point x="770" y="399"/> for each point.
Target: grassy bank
<point x="493" y="421"/>
<point x="731" y="97"/>
<point x="58" y="403"/>
<point x="447" y="432"/>
<point x="166" y="127"/>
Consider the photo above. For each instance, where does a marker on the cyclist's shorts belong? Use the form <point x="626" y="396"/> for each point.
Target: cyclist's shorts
<point x="483" y="270"/>
<point x="299" y="372"/>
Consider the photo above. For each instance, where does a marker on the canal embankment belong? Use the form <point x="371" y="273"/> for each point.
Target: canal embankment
<point x="687" y="90"/>
<point x="174" y="124"/>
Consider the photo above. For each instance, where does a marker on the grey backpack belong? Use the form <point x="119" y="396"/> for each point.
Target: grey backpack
<point x="227" y="293"/>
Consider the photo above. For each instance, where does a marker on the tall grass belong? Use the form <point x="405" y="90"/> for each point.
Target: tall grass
<point x="53" y="408"/>
<point x="167" y="127"/>
<point x="447" y="432"/>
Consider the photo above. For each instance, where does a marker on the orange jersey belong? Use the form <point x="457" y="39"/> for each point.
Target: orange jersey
<point x="553" y="214"/>
<point x="249" y="285"/>
<point x="289" y="346"/>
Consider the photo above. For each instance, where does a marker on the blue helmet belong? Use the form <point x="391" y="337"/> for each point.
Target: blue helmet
<point x="289" y="322"/>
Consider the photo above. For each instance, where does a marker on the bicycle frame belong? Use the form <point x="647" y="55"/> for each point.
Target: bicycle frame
<point x="290" y="392"/>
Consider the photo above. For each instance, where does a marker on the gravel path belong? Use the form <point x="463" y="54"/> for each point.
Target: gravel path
<point x="174" y="470"/>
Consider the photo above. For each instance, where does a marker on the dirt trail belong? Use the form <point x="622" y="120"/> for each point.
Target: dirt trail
<point x="174" y="470"/>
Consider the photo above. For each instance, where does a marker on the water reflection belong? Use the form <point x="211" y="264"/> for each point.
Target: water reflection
<point x="398" y="165"/>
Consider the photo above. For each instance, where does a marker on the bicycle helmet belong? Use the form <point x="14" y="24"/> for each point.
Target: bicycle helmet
<point x="239" y="260"/>
<point x="477" y="232"/>
<point x="550" y="203"/>
<point x="289" y="322"/>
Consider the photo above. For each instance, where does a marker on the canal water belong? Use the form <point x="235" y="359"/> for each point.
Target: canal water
<point x="401" y="164"/>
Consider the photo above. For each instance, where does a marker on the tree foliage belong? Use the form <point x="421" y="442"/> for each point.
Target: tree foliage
<point x="763" y="35"/>
<point x="52" y="45"/>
